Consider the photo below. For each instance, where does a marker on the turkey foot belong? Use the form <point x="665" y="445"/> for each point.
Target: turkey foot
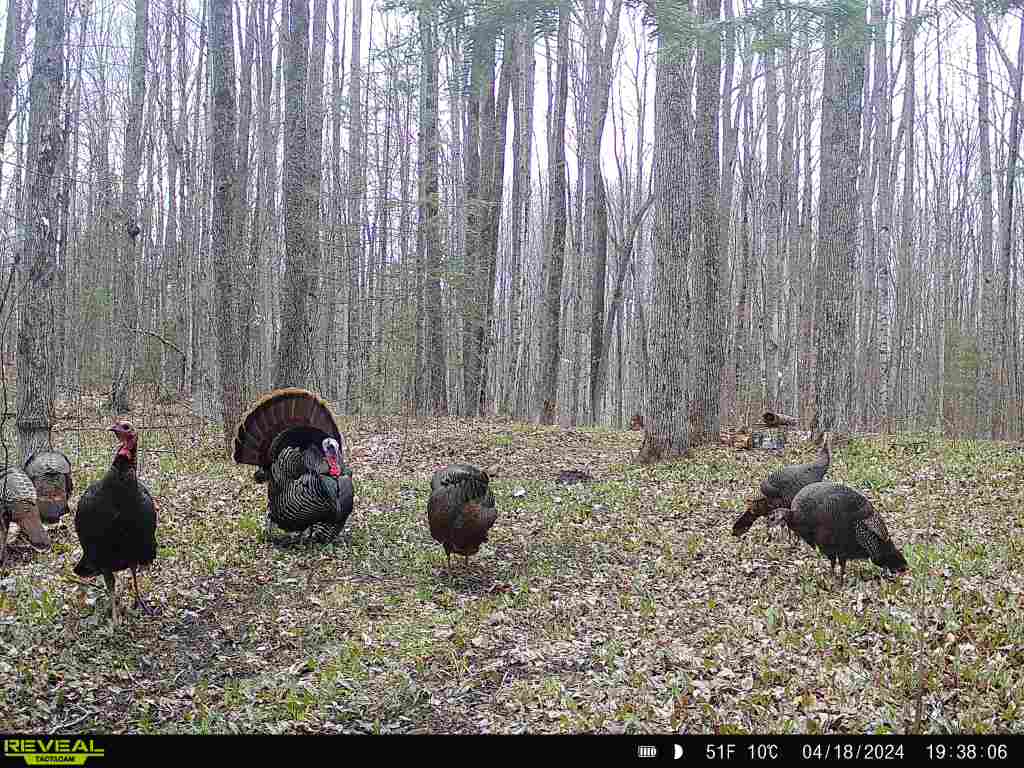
<point x="139" y="602"/>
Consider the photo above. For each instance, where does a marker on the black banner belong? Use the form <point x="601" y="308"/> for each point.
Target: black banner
<point x="98" y="751"/>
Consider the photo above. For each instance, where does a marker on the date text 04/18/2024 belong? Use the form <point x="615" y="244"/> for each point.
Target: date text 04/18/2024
<point x="809" y="748"/>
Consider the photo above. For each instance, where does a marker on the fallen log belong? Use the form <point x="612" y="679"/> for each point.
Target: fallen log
<point x="778" y="420"/>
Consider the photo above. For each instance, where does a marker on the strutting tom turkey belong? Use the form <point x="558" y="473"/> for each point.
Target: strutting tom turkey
<point x="50" y="472"/>
<point x="18" y="504"/>
<point x="842" y="524"/>
<point x="116" y="521"/>
<point x="782" y="485"/>
<point x="292" y="437"/>
<point x="461" y="509"/>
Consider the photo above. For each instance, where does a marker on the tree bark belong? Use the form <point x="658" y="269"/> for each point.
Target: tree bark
<point x="429" y="232"/>
<point x="130" y="250"/>
<point x="293" y="364"/>
<point x="222" y="214"/>
<point x="9" y="66"/>
<point x="710" y="343"/>
<point x="986" y="282"/>
<point x="354" y="227"/>
<point x="667" y="427"/>
<point x="883" y="172"/>
<point x="37" y="260"/>
<point x="551" y="358"/>
<point x="840" y="155"/>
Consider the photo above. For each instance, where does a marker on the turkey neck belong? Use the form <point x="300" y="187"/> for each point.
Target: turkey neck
<point x="123" y="469"/>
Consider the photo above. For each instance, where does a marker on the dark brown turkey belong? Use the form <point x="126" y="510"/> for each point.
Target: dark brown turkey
<point x="116" y="522"/>
<point x="843" y="525"/>
<point x="781" y="486"/>
<point x="50" y="472"/>
<point x="461" y="509"/>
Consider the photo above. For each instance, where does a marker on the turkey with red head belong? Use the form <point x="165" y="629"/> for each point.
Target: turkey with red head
<point x="843" y="524"/>
<point x="782" y="485"/>
<point x="291" y="436"/>
<point x="116" y="521"/>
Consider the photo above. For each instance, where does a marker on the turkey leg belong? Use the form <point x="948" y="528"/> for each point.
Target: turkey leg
<point x="112" y="589"/>
<point x="139" y="602"/>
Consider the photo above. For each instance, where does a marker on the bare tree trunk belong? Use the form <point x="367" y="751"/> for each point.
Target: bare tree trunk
<point x="130" y="249"/>
<point x="293" y="363"/>
<point x="771" y="270"/>
<point x="555" y="263"/>
<point x="710" y="343"/>
<point x="354" y="229"/>
<point x="909" y="156"/>
<point x="667" y="427"/>
<point x="599" y="82"/>
<point x="314" y="182"/>
<point x="223" y="212"/>
<point x="9" y="65"/>
<point x="883" y="172"/>
<point x="1005" y="309"/>
<point x="493" y="129"/>
<point x="987" y="288"/>
<point x="840" y="156"/>
<point x="429" y="232"/>
<point x="37" y="261"/>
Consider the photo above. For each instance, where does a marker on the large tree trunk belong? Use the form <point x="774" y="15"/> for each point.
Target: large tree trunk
<point x="429" y="231"/>
<point x="667" y="428"/>
<point x="36" y="268"/>
<point x="840" y="156"/>
<point x="226" y="262"/>
<point x="354" y="229"/>
<point x="293" y="364"/>
<point x="9" y="66"/>
<point x="771" y="271"/>
<point x="551" y="358"/>
<point x="130" y="250"/>
<point x="493" y="130"/>
<point x="883" y="162"/>
<point x="1007" y="391"/>
<point x="707" y="333"/>
<point x="596" y="224"/>
<point x="906" y="242"/>
<point x="987" y="293"/>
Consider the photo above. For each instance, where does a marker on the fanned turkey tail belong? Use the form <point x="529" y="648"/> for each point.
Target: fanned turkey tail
<point x="284" y="417"/>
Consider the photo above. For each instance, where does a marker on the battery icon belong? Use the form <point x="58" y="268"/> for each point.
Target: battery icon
<point x="646" y="751"/>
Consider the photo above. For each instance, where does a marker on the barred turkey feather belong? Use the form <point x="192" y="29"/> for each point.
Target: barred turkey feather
<point x="843" y="525"/>
<point x="50" y="472"/>
<point x="284" y="435"/>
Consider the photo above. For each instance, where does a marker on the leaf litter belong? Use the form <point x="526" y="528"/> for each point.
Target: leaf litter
<point x="622" y="605"/>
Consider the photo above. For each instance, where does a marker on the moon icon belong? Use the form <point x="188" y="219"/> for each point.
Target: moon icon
<point x="678" y="751"/>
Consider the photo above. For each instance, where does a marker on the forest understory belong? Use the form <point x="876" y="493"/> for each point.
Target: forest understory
<point x="622" y="605"/>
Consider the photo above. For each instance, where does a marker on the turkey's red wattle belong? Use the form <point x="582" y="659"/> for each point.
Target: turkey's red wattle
<point x="333" y="469"/>
<point x="127" y="449"/>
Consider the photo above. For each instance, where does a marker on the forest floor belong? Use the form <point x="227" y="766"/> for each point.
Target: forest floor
<point x="624" y="605"/>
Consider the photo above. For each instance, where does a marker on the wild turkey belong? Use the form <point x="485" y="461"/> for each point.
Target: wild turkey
<point x="116" y="521"/>
<point x="50" y="472"/>
<point x="461" y="509"/>
<point x="18" y="504"/>
<point x="842" y="524"/>
<point x="779" y="488"/>
<point x="292" y="437"/>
